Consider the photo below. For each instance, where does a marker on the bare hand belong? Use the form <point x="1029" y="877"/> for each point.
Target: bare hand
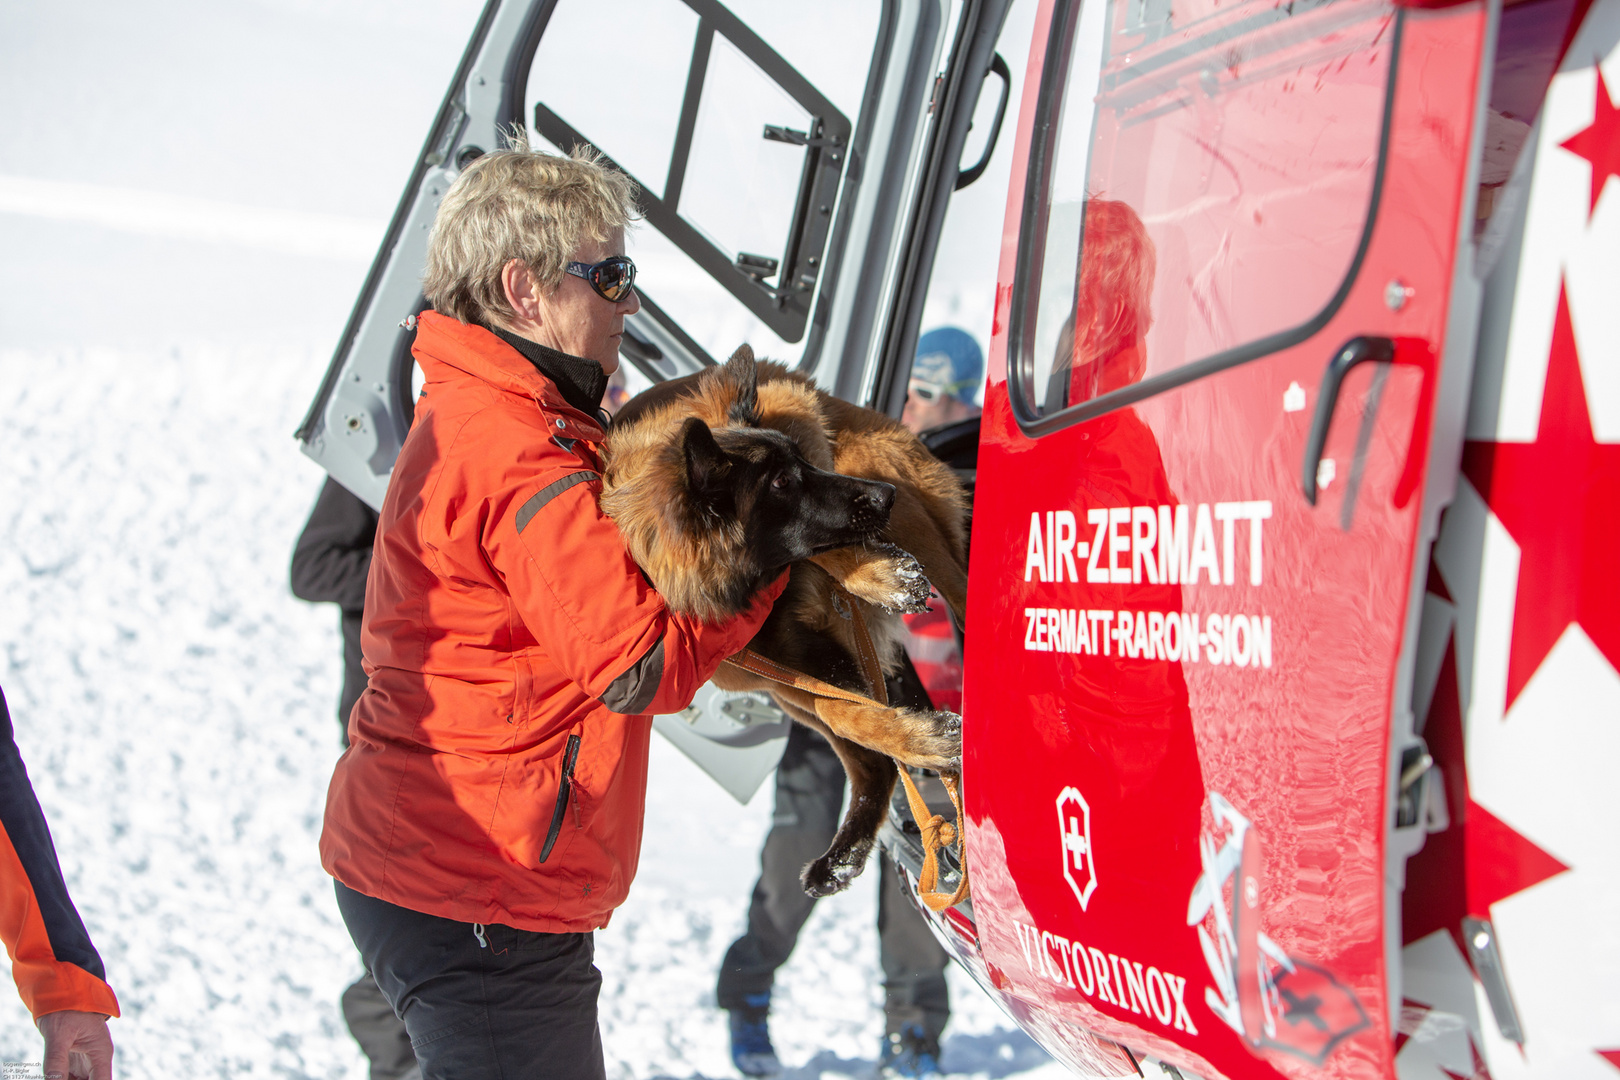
<point x="77" y="1045"/>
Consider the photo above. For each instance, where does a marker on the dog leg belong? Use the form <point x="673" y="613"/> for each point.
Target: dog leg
<point x="881" y="574"/>
<point x="896" y="579"/>
<point x="871" y="783"/>
<point x="871" y="780"/>
<point x="916" y="738"/>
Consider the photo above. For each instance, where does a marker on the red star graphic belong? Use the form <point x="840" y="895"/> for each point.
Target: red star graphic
<point x="1500" y="861"/>
<point x="1559" y="498"/>
<point x="1599" y="144"/>
<point x="1479" y="859"/>
<point x="1611" y="1056"/>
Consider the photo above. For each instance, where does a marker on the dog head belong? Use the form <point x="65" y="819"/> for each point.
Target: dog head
<point x="787" y="509"/>
<point x="713" y="503"/>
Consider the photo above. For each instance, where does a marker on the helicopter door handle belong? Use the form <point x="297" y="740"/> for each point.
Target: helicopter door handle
<point x="1355" y="351"/>
<point x="998" y="68"/>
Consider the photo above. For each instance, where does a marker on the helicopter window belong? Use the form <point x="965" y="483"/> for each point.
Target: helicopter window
<point x="1203" y="195"/>
<point x="953" y="339"/>
<point x="740" y="188"/>
<point x="642" y="138"/>
<point x="739" y="156"/>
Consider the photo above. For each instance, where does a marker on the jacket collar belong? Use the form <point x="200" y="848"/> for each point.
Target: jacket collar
<point x="582" y="382"/>
<point x="478" y="352"/>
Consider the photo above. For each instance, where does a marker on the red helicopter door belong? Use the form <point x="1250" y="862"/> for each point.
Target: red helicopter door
<point x="1235" y="317"/>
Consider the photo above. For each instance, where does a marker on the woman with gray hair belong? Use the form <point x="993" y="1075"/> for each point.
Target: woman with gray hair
<point x="487" y="816"/>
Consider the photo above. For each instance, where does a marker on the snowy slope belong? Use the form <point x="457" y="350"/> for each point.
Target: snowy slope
<point x="275" y="122"/>
<point x="175" y="707"/>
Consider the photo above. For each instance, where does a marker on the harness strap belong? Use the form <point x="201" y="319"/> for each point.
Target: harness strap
<point x="751" y="661"/>
<point x="937" y="833"/>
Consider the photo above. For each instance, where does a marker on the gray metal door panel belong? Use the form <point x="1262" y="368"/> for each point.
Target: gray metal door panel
<point x="853" y="284"/>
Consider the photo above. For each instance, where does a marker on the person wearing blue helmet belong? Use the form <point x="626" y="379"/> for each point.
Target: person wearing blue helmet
<point x="945" y="378"/>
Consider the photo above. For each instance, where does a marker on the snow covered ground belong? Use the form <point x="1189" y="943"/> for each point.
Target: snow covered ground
<point x="175" y="706"/>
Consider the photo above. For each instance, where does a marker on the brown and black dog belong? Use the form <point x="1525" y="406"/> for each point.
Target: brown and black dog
<point x="720" y="479"/>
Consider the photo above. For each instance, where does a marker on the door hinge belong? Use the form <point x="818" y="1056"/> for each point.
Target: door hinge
<point x="447" y="138"/>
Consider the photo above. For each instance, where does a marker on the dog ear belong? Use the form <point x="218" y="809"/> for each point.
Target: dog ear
<point x="741" y="371"/>
<point x="706" y="463"/>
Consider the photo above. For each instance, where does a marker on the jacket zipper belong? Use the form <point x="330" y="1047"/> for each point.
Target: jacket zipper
<point x="565" y="791"/>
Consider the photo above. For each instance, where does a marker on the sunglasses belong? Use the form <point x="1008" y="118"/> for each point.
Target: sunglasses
<point x="612" y="278"/>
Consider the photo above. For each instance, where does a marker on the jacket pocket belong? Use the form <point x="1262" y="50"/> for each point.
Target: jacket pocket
<point x="565" y="791"/>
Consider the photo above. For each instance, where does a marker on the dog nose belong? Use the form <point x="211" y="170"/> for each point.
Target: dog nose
<point x="881" y="495"/>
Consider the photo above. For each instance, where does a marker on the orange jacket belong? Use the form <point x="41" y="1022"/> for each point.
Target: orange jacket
<point x="497" y="766"/>
<point x="52" y="959"/>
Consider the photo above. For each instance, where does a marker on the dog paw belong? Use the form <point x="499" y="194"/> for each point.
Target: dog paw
<point x="892" y="579"/>
<point x="832" y="874"/>
<point x="933" y="741"/>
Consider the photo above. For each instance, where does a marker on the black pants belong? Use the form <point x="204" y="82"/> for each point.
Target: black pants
<point x="809" y="795"/>
<point x="521" y="1008"/>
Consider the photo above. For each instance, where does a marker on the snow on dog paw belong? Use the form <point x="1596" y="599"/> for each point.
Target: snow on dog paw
<point x="890" y="578"/>
<point x="933" y="740"/>
<point x="832" y="873"/>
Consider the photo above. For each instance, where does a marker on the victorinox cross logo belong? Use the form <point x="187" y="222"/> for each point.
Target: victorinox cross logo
<point x="1074" y="826"/>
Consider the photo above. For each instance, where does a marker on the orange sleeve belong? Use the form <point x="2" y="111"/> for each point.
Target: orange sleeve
<point x="52" y="958"/>
<point x="605" y="626"/>
<point x="46" y="984"/>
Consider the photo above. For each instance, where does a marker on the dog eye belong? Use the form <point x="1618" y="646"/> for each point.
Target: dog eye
<point x="779" y="481"/>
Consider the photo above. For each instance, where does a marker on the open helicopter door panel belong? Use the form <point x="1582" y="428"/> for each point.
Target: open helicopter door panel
<point x="1235" y="324"/>
<point x="785" y="155"/>
<point x="1509" y="961"/>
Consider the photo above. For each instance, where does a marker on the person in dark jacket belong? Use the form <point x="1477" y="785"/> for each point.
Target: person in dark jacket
<point x="329" y="566"/>
<point x="945" y="377"/>
<point x="58" y="972"/>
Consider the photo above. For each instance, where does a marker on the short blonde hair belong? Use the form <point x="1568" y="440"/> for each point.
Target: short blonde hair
<point x="519" y="203"/>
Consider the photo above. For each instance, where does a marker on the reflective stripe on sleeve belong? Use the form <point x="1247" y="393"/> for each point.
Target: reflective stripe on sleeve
<point x="538" y="501"/>
<point x="632" y="692"/>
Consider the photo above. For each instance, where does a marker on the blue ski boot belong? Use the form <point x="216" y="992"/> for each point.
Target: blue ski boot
<point x="909" y="1054"/>
<point x="751" y="1049"/>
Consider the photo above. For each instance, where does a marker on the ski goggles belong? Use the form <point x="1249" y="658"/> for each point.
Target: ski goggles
<point x="612" y="278"/>
<point x="932" y="392"/>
